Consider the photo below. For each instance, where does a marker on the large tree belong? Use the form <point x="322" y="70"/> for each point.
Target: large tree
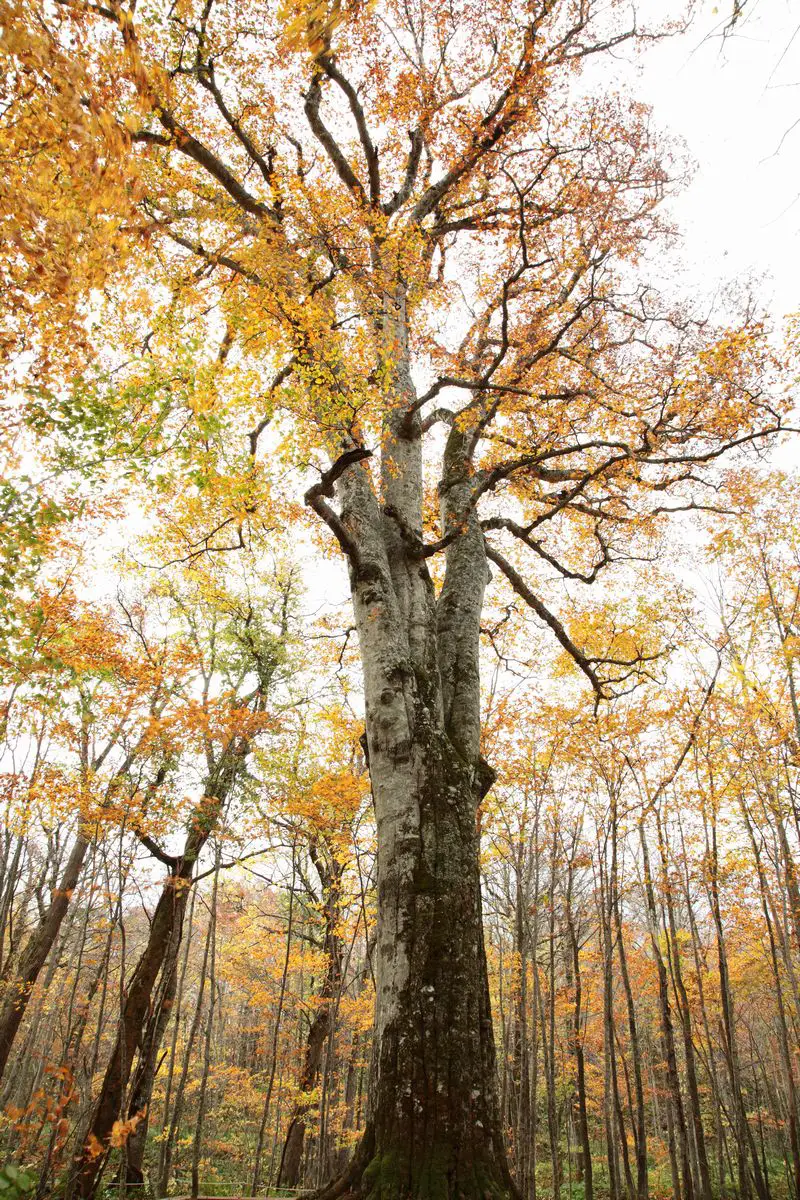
<point x="422" y="242"/>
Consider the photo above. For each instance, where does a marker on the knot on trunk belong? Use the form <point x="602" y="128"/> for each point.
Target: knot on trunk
<point x="485" y="776"/>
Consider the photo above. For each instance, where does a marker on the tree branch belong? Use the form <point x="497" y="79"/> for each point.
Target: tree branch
<point x="315" y="498"/>
<point x="524" y="534"/>
<point x="370" y="153"/>
<point x="524" y="592"/>
<point x="412" y="167"/>
<point x="329" y="143"/>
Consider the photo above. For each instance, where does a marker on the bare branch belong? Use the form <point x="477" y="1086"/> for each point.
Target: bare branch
<point x="280" y="378"/>
<point x="524" y="592"/>
<point x="523" y="533"/>
<point x="316" y="495"/>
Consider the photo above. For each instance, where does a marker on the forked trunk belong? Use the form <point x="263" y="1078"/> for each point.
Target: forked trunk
<point x="156" y="961"/>
<point x="433" y="1128"/>
<point x="93" y="1142"/>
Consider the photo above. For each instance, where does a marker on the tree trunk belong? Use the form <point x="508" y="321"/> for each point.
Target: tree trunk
<point x="212" y="998"/>
<point x="434" y="1114"/>
<point x="522" y="1132"/>
<point x="703" y="1182"/>
<point x="140" y="1099"/>
<point x="684" y="1187"/>
<point x="319" y="1029"/>
<point x="166" y="924"/>
<point x="744" y="1137"/>
<point x="37" y="948"/>
<point x="276" y="1029"/>
<point x="433" y="1128"/>
<point x="168" y="917"/>
<point x="640" y="1121"/>
<point x="576" y="1038"/>
<point x="784" y="1040"/>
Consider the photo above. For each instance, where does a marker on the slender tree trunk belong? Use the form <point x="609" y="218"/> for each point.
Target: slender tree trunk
<point x="792" y="1115"/>
<point x="549" y="1034"/>
<point x="319" y="1029"/>
<point x="38" y="946"/>
<point x="212" y="997"/>
<point x="711" y="1062"/>
<point x="667" y="1028"/>
<point x="685" y="1015"/>
<point x="744" y="1138"/>
<point x="640" y="1121"/>
<point x="616" y="1135"/>
<point x="521" y="1047"/>
<point x="256" y="1181"/>
<point x="180" y="1092"/>
<point x="8" y="887"/>
<point x="576" y="1038"/>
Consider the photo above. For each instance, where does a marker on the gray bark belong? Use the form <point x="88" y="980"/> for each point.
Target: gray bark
<point x="433" y="1125"/>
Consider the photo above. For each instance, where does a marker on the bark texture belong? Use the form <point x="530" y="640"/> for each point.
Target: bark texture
<point x="433" y="1128"/>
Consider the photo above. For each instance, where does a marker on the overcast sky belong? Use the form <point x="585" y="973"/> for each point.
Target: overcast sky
<point x="736" y="102"/>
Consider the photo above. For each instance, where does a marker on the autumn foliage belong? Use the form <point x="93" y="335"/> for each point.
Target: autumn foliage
<point x="399" y="623"/>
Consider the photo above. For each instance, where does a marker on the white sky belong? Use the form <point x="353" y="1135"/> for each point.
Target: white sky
<point x="736" y="103"/>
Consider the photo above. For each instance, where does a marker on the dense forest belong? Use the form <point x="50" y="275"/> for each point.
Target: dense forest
<point x="399" y="619"/>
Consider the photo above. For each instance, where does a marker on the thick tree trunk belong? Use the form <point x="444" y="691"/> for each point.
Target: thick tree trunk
<point x="433" y="1128"/>
<point x="434" y="1115"/>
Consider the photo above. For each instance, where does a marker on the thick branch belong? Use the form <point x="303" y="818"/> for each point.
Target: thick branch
<point x="179" y="136"/>
<point x="370" y="153"/>
<point x="189" y="145"/>
<point x="208" y="80"/>
<point x="169" y="860"/>
<point x="329" y="143"/>
<point x="316" y="495"/>
<point x="412" y="167"/>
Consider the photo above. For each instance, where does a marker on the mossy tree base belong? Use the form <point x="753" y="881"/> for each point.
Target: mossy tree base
<point x="434" y="1130"/>
<point x="444" y="1173"/>
<point x="436" y="1173"/>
